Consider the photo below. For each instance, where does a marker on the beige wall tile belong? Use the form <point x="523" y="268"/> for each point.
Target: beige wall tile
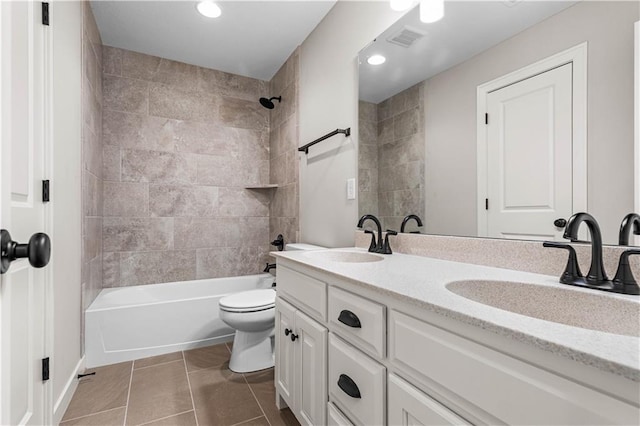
<point x="137" y="234"/>
<point x="111" y="270"/>
<point x="125" y="94"/>
<point x="243" y="202"/>
<point x="158" y="167"/>
<point x="111" y="162"/>
<point x="126" y="199"/>
<point x="171" y="102"/>
<point x="243" y="114"/>
<point x="136" y="131"/>
<point x="183" y="200"/>
<point x="153" y="267"/>
<point x="111" y="60"/>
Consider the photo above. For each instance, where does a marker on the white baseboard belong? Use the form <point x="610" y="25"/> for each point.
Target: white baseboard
<point x="61" y="405"/>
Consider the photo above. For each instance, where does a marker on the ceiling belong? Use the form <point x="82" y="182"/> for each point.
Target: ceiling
<point x="251" y="38"/>
<point x="468" y="28"/>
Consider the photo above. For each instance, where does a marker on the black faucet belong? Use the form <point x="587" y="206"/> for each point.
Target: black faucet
<point x="407" y="219"/>
<point x="596" y="274"/>
<point x="632" y="220"/>
<point x="386" y="247"/>
<point x="269" y="267"/>
<point x="373" y="248"/>
<point x="278" y="242"/>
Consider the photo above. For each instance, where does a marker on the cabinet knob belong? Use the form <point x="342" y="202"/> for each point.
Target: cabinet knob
<point x="287" y="331"/>
<point x="348" y="386"/>
<point x="293" y="337"/>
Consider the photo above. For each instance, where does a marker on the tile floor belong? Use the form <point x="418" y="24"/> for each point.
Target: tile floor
<point x="193" y="387"/>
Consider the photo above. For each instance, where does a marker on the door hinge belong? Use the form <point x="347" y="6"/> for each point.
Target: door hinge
<point x="45" y="369"/>
<point x="486" y="118"/>
<point x="45" y="191"/>
<point x="486" y="204"/>
<point x="45" y="13"/>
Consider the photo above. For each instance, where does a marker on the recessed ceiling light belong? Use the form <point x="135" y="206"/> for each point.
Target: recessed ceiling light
<point x="376" y="60"/>
<point x="209" y="9"/>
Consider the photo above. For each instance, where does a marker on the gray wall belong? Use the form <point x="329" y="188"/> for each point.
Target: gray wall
<point x="451" y="114"/>
<point x="329" y="100"/>
<point x="181" y="143"/>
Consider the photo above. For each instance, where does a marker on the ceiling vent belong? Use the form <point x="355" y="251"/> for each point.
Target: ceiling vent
<point x="406" y="36"/>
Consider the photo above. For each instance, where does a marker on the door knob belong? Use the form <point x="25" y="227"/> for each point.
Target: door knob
<point x="37" y="250"/>
<point x="560" y="222"/>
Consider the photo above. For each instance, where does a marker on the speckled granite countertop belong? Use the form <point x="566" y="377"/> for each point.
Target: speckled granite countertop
<point x="422" y="281"/>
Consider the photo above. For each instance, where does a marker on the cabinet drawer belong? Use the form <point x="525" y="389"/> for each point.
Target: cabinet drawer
<point x="356" y="383"/>
<point x="307" y="293"/>
<point x="409" y="406"/>
<point x="335" y="417"/>
<point x="359" y="321"/>
<point x="509" y="390"/>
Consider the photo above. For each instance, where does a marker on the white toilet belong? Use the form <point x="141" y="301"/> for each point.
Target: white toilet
<point x="252" y="314"/>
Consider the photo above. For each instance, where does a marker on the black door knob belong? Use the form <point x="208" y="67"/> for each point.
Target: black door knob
<point x="37" y="250"/>
<point x="560" y="222"/>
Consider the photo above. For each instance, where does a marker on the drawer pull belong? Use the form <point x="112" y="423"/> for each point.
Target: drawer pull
<point x="349" y="318"/>
<point x="348" y="386"/>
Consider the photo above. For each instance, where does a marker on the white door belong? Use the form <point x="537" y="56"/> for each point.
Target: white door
<point x="311" y="373"/>
<point x="22" y="287"/>
<point x="529" y="156"/>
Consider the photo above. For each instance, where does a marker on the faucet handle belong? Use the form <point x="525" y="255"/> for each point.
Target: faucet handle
<point x="373" y="246"/>
<point x="572" y="270"/>
<point x="386" y="247"/>
<point x="624" y="276"/>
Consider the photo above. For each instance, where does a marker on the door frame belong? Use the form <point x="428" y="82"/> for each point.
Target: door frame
<point x="576" y="55"/>
<point x="637" y="119"/>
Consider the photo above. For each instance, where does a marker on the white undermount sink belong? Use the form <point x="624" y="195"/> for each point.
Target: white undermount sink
<point x="593" y="311"/>
<point x="344" y="256"/>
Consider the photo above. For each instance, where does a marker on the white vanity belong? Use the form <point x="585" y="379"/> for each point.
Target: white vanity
<point x="366" y="339"/>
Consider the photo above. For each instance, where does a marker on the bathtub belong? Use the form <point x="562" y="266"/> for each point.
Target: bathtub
<point x="128" y="323"/>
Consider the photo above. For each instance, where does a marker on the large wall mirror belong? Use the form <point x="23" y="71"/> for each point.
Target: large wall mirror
<point x="501" y="118"/>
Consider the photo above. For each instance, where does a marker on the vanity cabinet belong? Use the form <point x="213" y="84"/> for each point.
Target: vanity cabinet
<point x="301" y="360"/>
<point x="360" y="358"/>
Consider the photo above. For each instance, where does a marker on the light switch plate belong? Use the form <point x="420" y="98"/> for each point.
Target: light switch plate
<point x="351" y="189"/>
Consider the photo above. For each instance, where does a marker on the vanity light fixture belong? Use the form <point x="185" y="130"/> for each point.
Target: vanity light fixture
<point x="431" y="10"/>
<point x="401" y="5"/>
<point x="376" y="60"/>
<point x="209" y="9"/>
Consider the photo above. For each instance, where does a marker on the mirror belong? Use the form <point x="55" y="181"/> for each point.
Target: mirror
<point x="557" y="79"/>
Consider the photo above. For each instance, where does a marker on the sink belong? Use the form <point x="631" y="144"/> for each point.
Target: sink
<point x="345" y="256"/>
<point x="590" y="311"/>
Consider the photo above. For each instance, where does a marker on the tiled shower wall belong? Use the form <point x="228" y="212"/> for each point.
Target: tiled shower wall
<point x="181" y="143"/>
<point x="284" y="162"/>
<point x="391" y="157"/>
<point x="91" y="157"/>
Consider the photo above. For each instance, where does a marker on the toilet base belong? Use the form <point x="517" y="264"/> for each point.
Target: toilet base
<point x="252" y="351"/>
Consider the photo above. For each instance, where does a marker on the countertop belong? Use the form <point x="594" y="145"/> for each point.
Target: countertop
<point x="422" y="281"/>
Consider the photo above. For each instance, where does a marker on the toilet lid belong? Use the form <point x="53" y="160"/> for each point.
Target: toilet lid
<point x="247" y="301"/>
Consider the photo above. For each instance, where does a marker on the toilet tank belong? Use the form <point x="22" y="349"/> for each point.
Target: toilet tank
<point x="301" y="246"/>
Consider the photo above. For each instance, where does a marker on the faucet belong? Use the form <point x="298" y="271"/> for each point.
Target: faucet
<point x="373" y="248"/>
<point x="269" y="267"/>
<point x="596" y="274"/>
<point x="407" y="219"/>
<point x="632" y="220"/>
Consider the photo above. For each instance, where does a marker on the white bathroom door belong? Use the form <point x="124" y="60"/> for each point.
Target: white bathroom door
<point x="22" y="287"/>
<point x="529" y="156"/>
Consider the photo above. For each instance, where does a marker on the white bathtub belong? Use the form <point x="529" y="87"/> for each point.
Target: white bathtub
<point x="129" y="323"/>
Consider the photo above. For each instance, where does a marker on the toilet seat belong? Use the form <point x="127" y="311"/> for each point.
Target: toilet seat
<point x="249" y="301"/>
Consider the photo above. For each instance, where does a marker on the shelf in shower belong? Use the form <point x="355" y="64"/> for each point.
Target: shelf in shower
<point x="267" y="186"/>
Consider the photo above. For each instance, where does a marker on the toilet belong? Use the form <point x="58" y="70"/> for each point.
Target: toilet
<point x="252" y="314"/>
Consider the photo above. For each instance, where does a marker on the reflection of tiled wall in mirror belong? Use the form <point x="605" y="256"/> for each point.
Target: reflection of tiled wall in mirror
<point x="391" y="157"/>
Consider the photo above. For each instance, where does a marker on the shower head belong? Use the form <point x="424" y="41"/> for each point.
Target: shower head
<point x="267" y="103"/>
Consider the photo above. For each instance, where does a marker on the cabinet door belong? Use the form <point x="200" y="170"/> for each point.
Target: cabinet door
<point x="311" y="370"/>
<point x="285" y="365"/>
<point x="335" y="417"/>
<point x="408" y="407"/>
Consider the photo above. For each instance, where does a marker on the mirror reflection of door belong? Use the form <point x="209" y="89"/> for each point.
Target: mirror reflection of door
<point x="529" y="156"/>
